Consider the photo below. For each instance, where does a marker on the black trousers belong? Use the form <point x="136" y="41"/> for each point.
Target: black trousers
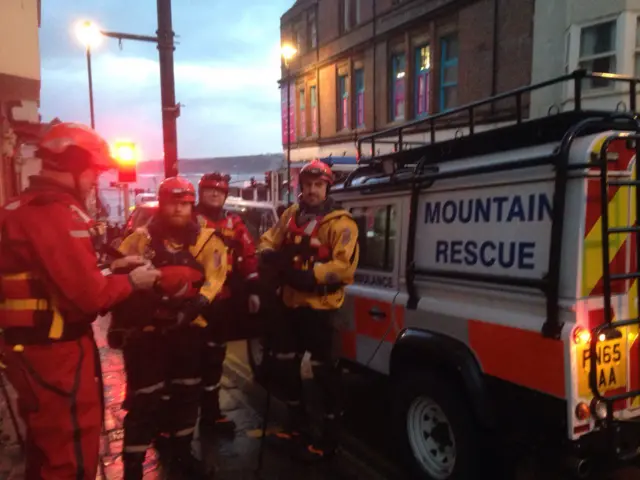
<point x="164" y="383"/>
<point x="219" y="317"/>
<point x="303" y="330"/>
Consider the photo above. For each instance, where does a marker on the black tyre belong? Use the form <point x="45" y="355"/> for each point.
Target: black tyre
<point x="440" y="437"/>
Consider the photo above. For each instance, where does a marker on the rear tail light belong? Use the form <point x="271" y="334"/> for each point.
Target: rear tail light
<point x="583" y="412"/>
<point x="581" y="336"/>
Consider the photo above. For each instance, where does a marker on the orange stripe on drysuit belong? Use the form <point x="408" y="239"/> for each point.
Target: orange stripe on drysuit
<point x="519" y="356"/>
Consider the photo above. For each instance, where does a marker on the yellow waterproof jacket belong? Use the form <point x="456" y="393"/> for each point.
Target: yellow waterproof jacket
<point x="209" y="251"/>
<point x="339" y="232"/>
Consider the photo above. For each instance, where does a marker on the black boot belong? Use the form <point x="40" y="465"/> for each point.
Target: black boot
<point x="212" y="421"/>
<point x="185" y="463"/>
<point x="294" y="436"/>
<point x="133" y="465"/>
<point x="222" y="425"/>
<point x="324" y="448"/>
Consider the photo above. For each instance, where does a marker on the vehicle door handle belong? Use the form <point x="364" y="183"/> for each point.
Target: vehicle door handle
<point x="377" y="314"/>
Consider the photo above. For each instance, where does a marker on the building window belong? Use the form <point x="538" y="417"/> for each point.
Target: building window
<point x="303" y="117"/>
<point x="359" y="97"/>
<point x="448" y="72"/>
<point x="598" y="51"/>
<point x="343" y="102"/>
<point x="298" y="37"/>
<point x="313" y="101"/>
<point x="349" y="14"/>
<point x="376" y="236"/>
<point x="398" y="73"/>
<point x="312" y="30"/>
<point x="422" y="86"/>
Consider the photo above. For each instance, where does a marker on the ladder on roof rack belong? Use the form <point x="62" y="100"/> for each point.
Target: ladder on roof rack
<point x="471" y="109"/>
<point x="608" y="330"/>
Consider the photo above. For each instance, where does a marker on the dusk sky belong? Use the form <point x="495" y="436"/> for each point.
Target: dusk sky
<point x="226" y="66"/>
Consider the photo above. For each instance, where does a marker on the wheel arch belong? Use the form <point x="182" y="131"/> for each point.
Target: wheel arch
<point x="417" y="349"/>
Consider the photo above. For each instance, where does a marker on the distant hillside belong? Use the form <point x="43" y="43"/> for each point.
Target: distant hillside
<point x="249" y="164"/>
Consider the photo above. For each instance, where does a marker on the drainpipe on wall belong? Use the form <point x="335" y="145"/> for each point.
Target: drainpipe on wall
<point x="494" y="59"/>
<point x="375" y="55"/>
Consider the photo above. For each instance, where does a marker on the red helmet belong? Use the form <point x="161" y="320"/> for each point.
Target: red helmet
<point x="215" y="180"/>
<point x="317" y="168"/>
<point x="176" y="188"/>
<point x="61" y="136"/>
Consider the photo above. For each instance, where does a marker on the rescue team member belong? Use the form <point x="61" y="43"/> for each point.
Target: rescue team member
<point x="315" y="243"/>
<point x="51" y="290"/>
<point x="162" y="354"/>
<point x="242" y="279"/>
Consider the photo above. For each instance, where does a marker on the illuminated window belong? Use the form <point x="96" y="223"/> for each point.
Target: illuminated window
<point x="303" y="116"/>
<point x="359" y="97"/>
<point x="397" y="87"/>
<point x="343" y="102"/>
<point x="313" y="100"/>
<point x="422" y="85"/>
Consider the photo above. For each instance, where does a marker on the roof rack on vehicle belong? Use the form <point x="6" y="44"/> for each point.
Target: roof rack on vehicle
<point x="467" y="115"/>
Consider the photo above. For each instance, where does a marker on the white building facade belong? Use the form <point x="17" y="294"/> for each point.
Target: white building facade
<point x="595" y="35"/>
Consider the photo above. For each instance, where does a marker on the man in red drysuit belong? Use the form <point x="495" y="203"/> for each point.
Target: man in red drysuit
<point x="51" y="291"/>
<point x="242" y="279"/>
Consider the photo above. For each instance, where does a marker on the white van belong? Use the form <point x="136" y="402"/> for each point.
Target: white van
<point x="497" y="285"/>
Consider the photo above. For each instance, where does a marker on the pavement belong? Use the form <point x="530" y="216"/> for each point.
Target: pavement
<point x="232" y="459"/>
<point x="368" y="452"/>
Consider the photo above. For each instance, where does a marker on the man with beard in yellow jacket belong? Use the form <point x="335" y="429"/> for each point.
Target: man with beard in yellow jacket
<point x="314" y="246"/>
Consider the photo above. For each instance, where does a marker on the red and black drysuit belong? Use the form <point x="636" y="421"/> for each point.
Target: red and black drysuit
<point x="242" y="280"/>
<point x="51" y="291"/>
<point x="161" y="345"/>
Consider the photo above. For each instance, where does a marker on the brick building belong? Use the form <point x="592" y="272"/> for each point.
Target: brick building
<point x="19" y="93"/>
<point x="366" y="65"/>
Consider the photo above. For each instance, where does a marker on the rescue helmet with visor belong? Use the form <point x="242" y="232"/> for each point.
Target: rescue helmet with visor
<point x="74" y="148"/>
<point x="176" y="189"/>
<point x="215" y="180"/>
<point x="317" y="169"/>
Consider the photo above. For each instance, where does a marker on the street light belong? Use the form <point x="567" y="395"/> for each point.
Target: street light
<point x="89" y="35"/>
<point x="288" y="52"/>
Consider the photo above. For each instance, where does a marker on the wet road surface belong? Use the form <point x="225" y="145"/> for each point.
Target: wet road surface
<point x="232" y="459"/>
<point x="368" y="455"/>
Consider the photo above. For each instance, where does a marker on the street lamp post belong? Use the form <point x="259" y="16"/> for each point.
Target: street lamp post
<point x="288" y="52"/>
<point x="90" y="36"/>
<point x="91" y="110"/>
<point x="164" y="41"/>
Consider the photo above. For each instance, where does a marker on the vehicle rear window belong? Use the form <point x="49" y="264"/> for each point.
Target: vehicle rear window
<point x="257" y="220"/>
<point x="143" y="216"/>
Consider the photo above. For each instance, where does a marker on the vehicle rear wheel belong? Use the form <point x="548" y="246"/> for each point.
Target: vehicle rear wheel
<point x="440" y="438"/>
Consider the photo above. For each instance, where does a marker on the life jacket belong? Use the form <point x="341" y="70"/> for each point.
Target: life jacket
<point x="225" y="229"/>
<point x="178" y="268"/>
<point x="30" y="314"/>
<point x="181" y="280"/>
<point x="301" y="244"/>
